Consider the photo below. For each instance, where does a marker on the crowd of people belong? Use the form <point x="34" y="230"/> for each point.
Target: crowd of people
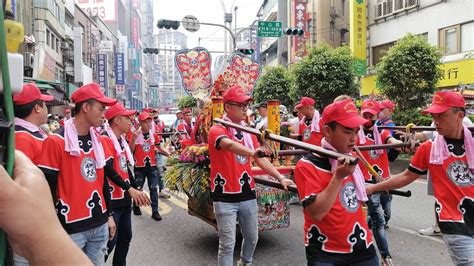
<point x="85" y="177"/>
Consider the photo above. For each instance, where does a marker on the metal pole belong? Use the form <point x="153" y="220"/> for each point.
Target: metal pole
<point x="226" y="28"/>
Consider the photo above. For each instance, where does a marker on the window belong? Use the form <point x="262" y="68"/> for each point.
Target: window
<point x="53" y="41"/>
<point x="48" y="37"/>
<point x="379" y="51"/>
<point x="449" y="40"/>
<point x="467" y="37"/>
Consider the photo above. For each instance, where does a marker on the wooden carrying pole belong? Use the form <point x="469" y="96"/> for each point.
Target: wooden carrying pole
<point x="291" y="142"/>
<point x="415" y="128"/>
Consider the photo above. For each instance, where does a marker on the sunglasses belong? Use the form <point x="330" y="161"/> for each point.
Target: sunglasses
<point x="243" y="106"/>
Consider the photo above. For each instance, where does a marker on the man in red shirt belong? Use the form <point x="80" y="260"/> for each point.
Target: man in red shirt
<point x="30" y="113"/>
<point x="332" y="192"/>
<point x="310" y="125"/>
<point x="232" y="186"/>
<point x="142" y="144"/>
<point x="378" y="204"/>
<point x="73" y="162"/>
<point x="123" y="188"/>
<point x="450" y="160"/>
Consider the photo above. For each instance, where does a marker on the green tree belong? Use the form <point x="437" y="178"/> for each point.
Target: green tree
<point x="187" y="102"/>
<point x="274" y="84"/>
<point x="409" y="72"/>
<point x="324" y="74"/>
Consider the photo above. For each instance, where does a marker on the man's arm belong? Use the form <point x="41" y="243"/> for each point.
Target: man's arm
<point x="235" y="147"/>
<point x="268" y="167"/>
<point x="394" y="182"/>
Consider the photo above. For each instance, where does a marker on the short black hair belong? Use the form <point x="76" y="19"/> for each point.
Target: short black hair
<point x="78" y="107"/>
<point x="111" y="120"/>
<point x="332" y="125"/>
<point x="458" y="109"/>
<point x="24" y="110"/>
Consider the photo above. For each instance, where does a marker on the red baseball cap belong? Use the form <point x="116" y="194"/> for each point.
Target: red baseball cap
<point x="370" y="106"/>
<point x="387" y="104"/>
<point x="144" y="116"/>
<point x="236" y="94"/>
<point x="30" y="93"/>
<point x="344" y="113"/>
<point x="443" y="100"/>
<point x="305" y="101"/>
<point x="118" y="109"/>
<point x="186" y="110"/>
<point x="91" y="91"/>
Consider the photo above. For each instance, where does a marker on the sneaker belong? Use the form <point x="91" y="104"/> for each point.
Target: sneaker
<point x="387" y="261"/>
<point x="164" y="195"/>
<point x="136" y="210"/>
<point x="431" y="231"/>
<point x="386" y="226"/>
<point x="241" y="263"/>
<point x="156" y="216"/>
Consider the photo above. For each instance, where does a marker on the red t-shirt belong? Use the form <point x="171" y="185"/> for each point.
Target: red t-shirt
<point x="30" y="143"/>
<point x="145" y="154"/>
<point x="231" y="178"/>
<point x="453" y="187"/>
<point x="309" y="136"/>
<point x="342" y="236"/>
<point x="159" y="127"/>
<point x="378" y="161"/>
<point x="80" y="201"/>
<point x="120" y="166"/>
<point x="185" y="128"/>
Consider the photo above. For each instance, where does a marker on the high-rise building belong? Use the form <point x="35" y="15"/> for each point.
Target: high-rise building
<point x="166" y="75"/>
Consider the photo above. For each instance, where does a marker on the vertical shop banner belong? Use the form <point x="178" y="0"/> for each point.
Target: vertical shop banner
<point x="120" y="89"/>
<point x="301" y="22"/>
<point x="102" y="78"/>
<point x="119" y="69"/>
<point x="255" y="43"/>
<point x="135" y="31"/>
<point x="358" y="28"/>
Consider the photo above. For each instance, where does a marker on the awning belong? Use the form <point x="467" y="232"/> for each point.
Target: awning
<point x="52" y="88"/>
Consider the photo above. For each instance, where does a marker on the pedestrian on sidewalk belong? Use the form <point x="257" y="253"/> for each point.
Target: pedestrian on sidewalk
<point x="450" y="160"/>
<point x="232" y="185"/>
<point x="332" y="193"/>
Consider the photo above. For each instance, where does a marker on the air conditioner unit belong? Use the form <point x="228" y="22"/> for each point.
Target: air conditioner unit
<point x="29" y="60"/>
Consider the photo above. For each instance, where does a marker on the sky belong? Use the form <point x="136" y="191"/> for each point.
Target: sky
<point x="210" y="11"/>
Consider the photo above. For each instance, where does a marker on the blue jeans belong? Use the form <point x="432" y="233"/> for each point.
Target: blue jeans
<point x="377" y="219"/>
<point x="93" y="242"/>
<point x="160" y="163"/>
<point x="370" y="262"/>
<point x="226" y="216"/>
<point x="461" y="249"/>
<point x="386" y="202"/>
<point x="123" y="235"/>
<point x="152" y="176"/>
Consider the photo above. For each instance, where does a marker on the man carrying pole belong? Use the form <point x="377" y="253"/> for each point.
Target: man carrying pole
<point x="232" y="186"/>
<point x="332" y="192"/>
<point x="450" y="160"/>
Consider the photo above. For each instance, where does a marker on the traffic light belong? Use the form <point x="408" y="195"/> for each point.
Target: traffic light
<point x="168" y="24"/>
<point x="245" y="51"/>
<point x="151" y="51"/>
<point x="294" y="32"/>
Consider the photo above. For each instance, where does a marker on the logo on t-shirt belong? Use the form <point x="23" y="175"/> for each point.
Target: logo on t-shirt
<point x="241" y="159"/>
<point x="123" y="162"/>
<point x="306" y="133"/>
<point x="88" y="170"/>
<point x="373" y="154"/>
<point x="459" y="173"/>
<point x="348" y="197"/>
<point x="146" y="147"/>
